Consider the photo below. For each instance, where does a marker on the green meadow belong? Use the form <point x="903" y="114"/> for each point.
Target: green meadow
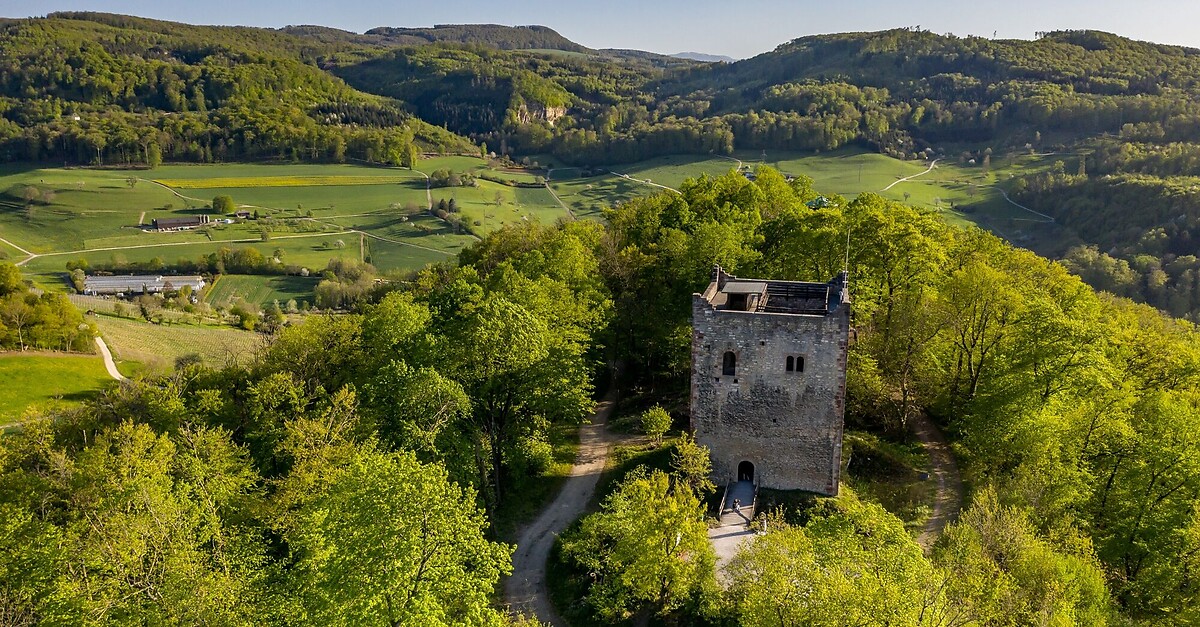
<point x="961" y="193"/>
<point x="377" y="213"/>
<point x="48" y="380"/>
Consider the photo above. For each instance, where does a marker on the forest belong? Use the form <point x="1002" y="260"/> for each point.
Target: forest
<point x="283" y="491"/>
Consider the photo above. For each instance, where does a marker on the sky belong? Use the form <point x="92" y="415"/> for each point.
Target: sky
<point x="736" y="29"/>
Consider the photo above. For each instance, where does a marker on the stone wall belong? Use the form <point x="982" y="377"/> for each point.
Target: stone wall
<point x="788" y="424"/>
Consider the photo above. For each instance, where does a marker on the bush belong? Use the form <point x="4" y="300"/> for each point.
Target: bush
<point x="655" y="422"/>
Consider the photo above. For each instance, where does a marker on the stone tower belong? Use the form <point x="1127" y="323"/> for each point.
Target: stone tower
<point x="769" y="380"/>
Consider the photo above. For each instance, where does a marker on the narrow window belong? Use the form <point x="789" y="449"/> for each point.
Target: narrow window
<point x="791" y="365"/>
<point x="800" y="364"/>
<point x="729" y="364"/>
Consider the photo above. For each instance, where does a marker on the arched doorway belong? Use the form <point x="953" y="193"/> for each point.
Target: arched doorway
<point x="745" y="471"/>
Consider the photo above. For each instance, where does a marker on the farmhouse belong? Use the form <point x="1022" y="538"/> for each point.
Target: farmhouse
<point x="138" y="284"/>
<point x="180" y="224"/>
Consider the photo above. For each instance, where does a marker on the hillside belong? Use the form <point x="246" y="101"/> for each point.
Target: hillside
<point x="701" y="56"/>
<point x="99" y="89"/>
<point x="492" y="35"/>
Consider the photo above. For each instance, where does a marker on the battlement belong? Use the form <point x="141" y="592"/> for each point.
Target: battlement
<point x="729" y="293"/>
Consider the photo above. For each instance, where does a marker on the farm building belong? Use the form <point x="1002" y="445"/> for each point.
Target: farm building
<point x="180" y="224"/>
<point x="138" y="284"/>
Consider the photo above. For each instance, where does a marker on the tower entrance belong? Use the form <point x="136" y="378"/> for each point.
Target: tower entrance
<point x="745" y="472"/>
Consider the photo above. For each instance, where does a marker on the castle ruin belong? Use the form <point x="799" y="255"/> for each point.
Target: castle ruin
<point x="769" y="380"/>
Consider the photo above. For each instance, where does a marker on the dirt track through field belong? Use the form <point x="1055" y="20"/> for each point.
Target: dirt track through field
<point x="526" y="590"/>
<point x="109" y="365"/>
<point x="932" y="165"/>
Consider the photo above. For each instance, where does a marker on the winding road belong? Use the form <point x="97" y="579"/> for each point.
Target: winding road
<point x="525" y="591"/>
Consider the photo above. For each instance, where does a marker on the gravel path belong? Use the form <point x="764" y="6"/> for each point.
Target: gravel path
<point x="526" y="589"/>
<point x="932" y="165"/>
<point x="108" y="360"/>
<point x="948" y="499"/>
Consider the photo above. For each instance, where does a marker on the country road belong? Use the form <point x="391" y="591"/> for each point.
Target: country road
<point x="526" y="590"/>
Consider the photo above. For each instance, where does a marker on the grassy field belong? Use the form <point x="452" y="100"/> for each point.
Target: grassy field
<point x="260" y="289"/>
<point x="961" y="193"/>
<point x="44" y="380"/>
<point x="93" y="214"/>
<point x="309" y="250"/>
<point x="64" y="214"/>
<point x="158" y="346"/>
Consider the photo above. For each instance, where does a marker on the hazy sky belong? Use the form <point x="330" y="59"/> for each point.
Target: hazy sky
<point x="737" y="29"/>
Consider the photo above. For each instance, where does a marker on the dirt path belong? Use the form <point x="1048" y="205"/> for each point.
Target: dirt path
<point x="1045" y="217"/>
<point x="948" y="499"/>
<point x="526" y="590"/>
<point x="932" y="164"/>
<point x="31" y="256"/>
<point x="109" y="365"/>
<point x="570" y="214"/>
<point x="645" y="182"/>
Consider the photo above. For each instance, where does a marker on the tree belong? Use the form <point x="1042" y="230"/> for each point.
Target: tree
<point x="647" y="550"/>
<point x="153" y="155"/>
<point x="10" y="279"/>
<point x="655" y="422"/>
<point x="691" y="465"/>
<point x="519" y="372"/>
<point x="854" y="565"/>
<point x="998" y="569"/>
<point x="151" y="538"/>
<point x="131" y="181"/>
<point x="77" y="279"/>
<point x="387" y="540"/>
<point x="223" y="204"/>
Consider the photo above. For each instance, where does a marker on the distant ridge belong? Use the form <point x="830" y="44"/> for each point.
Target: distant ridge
<point x="706" y="58"/>
<point x="496" y="35"/>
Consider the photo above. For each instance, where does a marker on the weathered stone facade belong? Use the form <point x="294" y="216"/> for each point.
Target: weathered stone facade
<point x="769" y="380"/>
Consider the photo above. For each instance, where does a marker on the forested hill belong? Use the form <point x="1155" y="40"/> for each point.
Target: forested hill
<point x="494" y="35"/>
<point x="945" y="89"/>
<point x="98" y="88"/>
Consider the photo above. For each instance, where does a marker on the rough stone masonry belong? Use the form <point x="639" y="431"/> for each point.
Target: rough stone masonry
<point x="769" y="380"/>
